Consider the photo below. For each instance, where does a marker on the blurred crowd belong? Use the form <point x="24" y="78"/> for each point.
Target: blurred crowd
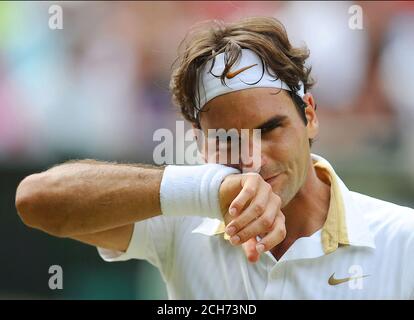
<point x="99" y="87"/>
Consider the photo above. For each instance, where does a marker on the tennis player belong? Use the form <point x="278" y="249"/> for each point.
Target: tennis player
<point x="289" y="229"/>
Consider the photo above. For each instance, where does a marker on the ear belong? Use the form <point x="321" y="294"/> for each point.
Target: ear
<point x="310" y="112"/>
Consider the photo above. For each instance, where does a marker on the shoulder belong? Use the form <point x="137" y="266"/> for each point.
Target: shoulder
<point x="384" y="216"/>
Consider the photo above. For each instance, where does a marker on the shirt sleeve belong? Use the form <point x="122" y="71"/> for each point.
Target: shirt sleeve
<point x="410" y="268"/>
<point x="408" y="253"/>
<point x="152" y="240"/>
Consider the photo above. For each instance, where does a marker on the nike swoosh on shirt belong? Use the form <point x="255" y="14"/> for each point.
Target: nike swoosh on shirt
<point x="231" y="75"/>
<point x="333" y="282"/>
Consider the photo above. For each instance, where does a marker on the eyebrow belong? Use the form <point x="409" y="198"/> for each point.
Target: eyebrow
<point x="274" y="121"/>
<point x="271" y="123"/>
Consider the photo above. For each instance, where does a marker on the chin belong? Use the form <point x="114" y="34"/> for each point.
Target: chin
<point x="278" y="183"/>
<point x="283" y="190"/>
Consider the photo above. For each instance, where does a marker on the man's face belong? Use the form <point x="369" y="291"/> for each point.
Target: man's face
<point x="285" y="150"/>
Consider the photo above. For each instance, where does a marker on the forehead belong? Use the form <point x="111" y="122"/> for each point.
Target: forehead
<point x="246" y="108"/>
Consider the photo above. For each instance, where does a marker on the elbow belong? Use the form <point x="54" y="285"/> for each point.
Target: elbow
<point x="34" y="203"/>
<point x="27" y="199"/>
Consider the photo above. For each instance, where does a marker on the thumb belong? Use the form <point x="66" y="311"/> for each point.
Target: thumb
<point x="250" y="251"/>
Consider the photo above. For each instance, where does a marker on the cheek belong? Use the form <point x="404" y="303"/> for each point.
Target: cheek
<point x="288" y="148"/>
<point x="281" y="145"/>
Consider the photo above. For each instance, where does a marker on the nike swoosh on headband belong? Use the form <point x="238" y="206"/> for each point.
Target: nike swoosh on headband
<point x="231" y="75"/>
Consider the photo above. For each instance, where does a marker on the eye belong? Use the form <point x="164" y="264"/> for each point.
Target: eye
<point x="271" y="127"/>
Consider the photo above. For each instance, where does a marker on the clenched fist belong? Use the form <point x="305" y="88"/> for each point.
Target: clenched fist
<point x="250" y="208"/>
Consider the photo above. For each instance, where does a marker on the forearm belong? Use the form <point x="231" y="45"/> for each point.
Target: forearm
<point x="87" y="196"/>
<point x="115" y="239"/>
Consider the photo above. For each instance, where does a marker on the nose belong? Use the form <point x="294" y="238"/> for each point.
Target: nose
<point x="252" y="164"/>
<point x="254" y="160"/>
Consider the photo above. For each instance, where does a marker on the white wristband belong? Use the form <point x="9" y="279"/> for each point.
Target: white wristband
<point x="193" y="190"/>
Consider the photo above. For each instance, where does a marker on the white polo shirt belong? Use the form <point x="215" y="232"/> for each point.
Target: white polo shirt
<point x="365" y="250"/>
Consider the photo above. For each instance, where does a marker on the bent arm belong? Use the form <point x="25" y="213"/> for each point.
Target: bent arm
<point x="83" y="199"/>
<point x="114" y="239"/>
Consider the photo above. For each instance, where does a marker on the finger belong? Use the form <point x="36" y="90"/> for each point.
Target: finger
<point x="263" y="224"/>
<point x="250" y="251"/>
<point x="255" y="209"/>
<point x="249" y="189"/>
<point x="274" y="237"/>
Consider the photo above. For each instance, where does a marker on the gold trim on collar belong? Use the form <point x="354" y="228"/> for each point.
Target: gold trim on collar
<point x="334" y="231"/>
<point x="220" y="229"/>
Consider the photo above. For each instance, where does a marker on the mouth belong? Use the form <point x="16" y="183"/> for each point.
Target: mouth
<point x="271" y="178"/>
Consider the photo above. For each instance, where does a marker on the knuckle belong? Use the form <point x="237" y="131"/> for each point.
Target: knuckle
<point x="267" y="244"/>
<point x="275" y="198"/>
<point x="266" y="222"/>
<point x="250" y="191"/>
<point x="237" y="205"/>
<point x="267" y="187"/>
<point x="282" y="232"/>
<point x="259" y="208"/>
<point x="235" y="224"/>
<point x="273" y="203"/>
<point x="243" y="235"/>
<point x="255" y="175"/>
<point x="258" y="178"/>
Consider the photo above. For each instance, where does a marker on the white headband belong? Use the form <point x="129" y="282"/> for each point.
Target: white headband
<point x="246" y="73"/>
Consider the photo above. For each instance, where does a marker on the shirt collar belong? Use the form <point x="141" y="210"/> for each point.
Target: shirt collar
<point x="345" y="223"/>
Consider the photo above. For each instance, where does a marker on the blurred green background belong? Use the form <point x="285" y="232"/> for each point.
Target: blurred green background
<point x="98" y="89"/>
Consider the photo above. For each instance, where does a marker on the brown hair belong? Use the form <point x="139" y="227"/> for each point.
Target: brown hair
<point x="264" y="35"/>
